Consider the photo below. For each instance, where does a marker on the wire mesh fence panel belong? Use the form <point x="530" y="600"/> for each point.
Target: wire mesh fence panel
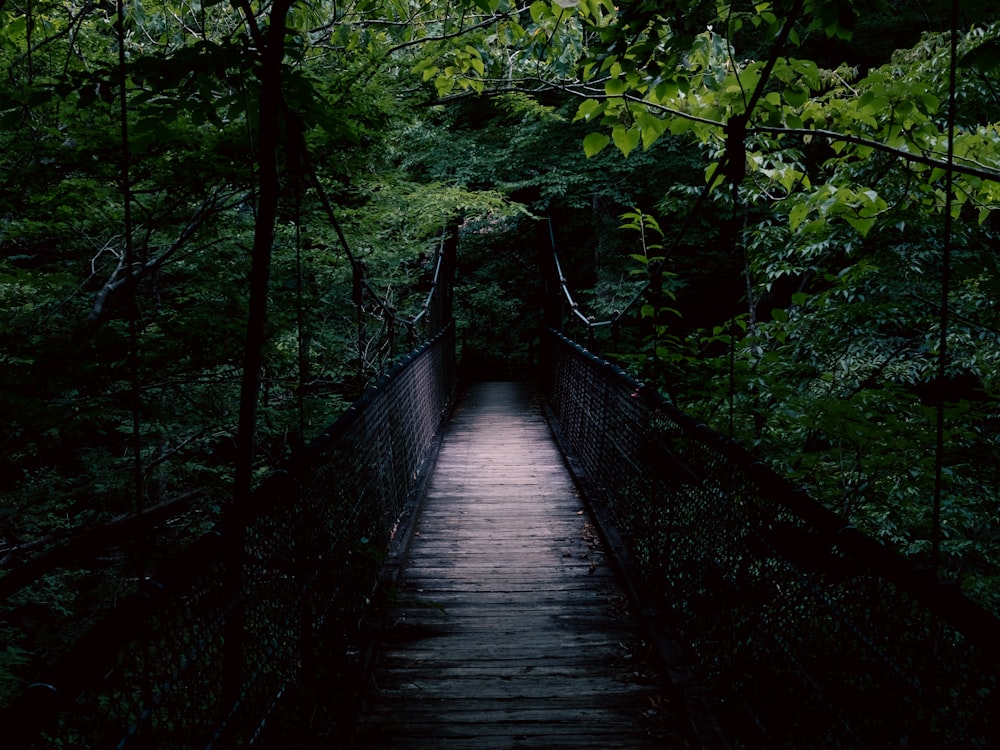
<point x="804" y="632"/>
<point x="206" y="652"/>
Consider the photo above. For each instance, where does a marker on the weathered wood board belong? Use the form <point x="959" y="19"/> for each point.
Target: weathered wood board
<point x="510" y="630"/>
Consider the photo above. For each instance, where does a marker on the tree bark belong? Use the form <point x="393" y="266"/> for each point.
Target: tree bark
<point x="272" y="57"/>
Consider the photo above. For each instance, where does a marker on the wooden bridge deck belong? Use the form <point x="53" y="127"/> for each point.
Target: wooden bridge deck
<point x="510" y="630"/>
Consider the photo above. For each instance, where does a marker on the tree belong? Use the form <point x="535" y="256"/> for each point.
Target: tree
<point x="206" y="139"/>
<point x="330" y="143"/>
<point x="845" y="182"/>
<point x="853" y="207"/>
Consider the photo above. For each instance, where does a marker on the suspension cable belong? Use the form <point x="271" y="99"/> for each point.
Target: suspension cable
<point x="732" y="323"/>
<point x="360" y="281"/>
<point x="942" y="364"/>
<point x="133" y="323"/>
<point x="731" y="164"/>
<point x="303" y="352"/>
<point x="436" y="282"/>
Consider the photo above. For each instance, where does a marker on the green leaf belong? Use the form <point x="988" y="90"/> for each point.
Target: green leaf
<point x="809" y="72"/>
<point x="16" y="28"/>
<point x="985" y="57"/>
<point x="651" y="127"/>
<point x="589" y="109"/>
<point x="626" y="139"/>
<point x="680" y="125"/>
<point x="861" y="223"/>
<point x="797" y="215"/>
<point x="614" y="87"/>
<point x="444" y="84"/>
<point x="796" y="96"/>
<point x="665" y="91"/>
<point x="594" y="143"/>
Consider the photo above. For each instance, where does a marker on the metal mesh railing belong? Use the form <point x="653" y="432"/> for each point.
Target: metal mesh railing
<point x="804" y="632"/>
<point x="268" y="603"/>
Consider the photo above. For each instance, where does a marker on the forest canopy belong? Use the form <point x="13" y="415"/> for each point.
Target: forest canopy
<point x="218" y="223"/>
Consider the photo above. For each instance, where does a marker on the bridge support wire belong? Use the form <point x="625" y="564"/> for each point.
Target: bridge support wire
<point x="159" y="670"/>
<point x="802" y="631"/>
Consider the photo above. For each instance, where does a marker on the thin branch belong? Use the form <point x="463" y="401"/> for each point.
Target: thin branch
<point x="214" y="379"/>
<point x="957" y="316"/>
<point x="251" y="21"/>
<point x="981" y="172"/>
<point x="984" y="173"/>
<point x="588" y="92"/>
<point x="117" y="282"/>
<point x="164" y="455"/>
<point x="88" y="542"/>
<point x="67" y="31"/>
<point x="445" y="37"/>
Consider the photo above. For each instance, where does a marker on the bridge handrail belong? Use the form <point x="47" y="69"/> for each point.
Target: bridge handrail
<point x="797" y="620"/>
<point x="205" y="651"/>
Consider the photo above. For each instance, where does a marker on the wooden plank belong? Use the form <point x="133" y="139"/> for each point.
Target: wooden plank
<point x="509" y="628"/>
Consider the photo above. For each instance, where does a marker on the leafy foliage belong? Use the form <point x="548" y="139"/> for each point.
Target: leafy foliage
<point x="125" y="262"/>
<point x="835" y="373"/>
<point x="808" y="286"/>
<point x="832" y="233"/>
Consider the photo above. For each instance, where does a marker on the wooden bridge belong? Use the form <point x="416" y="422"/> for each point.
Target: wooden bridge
<point x="511" y="629"/>
<point x="503" y="622"/>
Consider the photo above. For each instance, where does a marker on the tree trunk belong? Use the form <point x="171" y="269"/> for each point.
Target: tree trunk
<point x="272" y="57"/>
<point x="260" y="273"/>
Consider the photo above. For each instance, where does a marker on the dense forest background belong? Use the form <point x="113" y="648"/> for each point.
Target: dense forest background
<point x="219" y="223"/>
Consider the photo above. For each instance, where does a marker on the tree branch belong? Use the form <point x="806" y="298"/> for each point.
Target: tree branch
<point x="980" y="172"/>
<point x="117" y="284"/>
<point x="251" y="21"/>
<point x="89" y="542"/>
<point x="585" y="92"/>
<point x="67" y="31"/>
